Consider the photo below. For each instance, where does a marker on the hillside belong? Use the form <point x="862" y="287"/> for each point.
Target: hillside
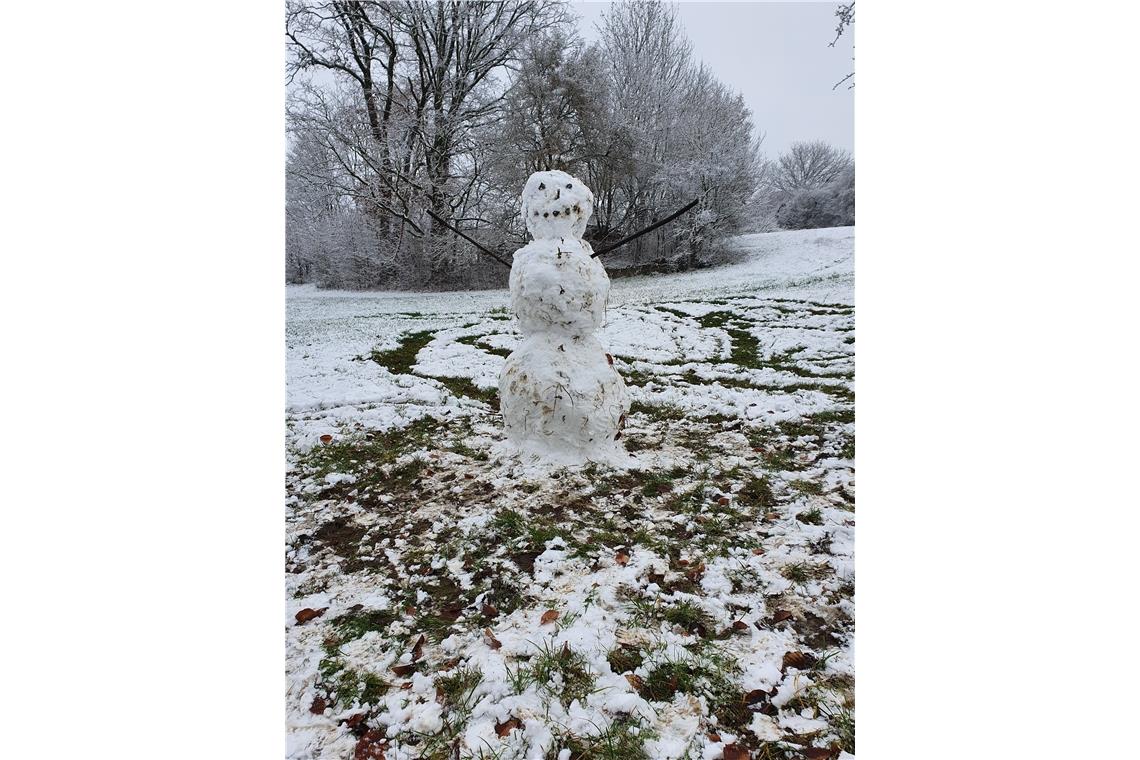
<point x="696" y="604"/>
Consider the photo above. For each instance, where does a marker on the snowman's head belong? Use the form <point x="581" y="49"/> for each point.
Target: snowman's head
<point x="556" y="205"/>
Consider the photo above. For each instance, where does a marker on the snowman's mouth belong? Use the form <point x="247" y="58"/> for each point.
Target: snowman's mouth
<point x="564" y="212"/>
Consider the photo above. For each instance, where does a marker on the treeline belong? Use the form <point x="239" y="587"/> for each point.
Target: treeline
<point x="396" y="109"/>
<point x="810" y="185"/>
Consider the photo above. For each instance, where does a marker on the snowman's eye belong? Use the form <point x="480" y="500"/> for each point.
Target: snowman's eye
<point x="569" y="185"/>
<point x="541" y="185"/>
<point x="556" y="213"/>
<point x="545" y="215"/>
<point x="536" y="213"/>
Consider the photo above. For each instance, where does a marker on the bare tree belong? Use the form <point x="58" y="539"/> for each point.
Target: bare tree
<point x="808" y="165"/>
<point x="650" y="61"/>
<point x="400" y="108"/>
<point x="400" y="95"/>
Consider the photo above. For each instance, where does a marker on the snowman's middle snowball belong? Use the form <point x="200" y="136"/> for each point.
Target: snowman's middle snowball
<point x="556" y="285"/>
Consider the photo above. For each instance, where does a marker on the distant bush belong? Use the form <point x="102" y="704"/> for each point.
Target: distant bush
<point x="832" y="205"/>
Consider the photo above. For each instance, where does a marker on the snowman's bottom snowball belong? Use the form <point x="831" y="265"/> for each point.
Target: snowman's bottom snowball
<point x="560" y="397"/>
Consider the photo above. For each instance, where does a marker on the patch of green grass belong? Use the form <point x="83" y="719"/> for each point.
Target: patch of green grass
<point x="399" y="360"/>
<point x="352" y="687"/>
<point x="463" y="386"/>
<point x="745" y="348"/>
<point x="847" y="450"/>
<point x="658" y="412"/>
<point x="807" y="486"/>
<point x="625" y="658"/>
<point x="710" y="675"/>
<point x="670" y="677"/>
<point x="478" y="342"/>
<point x="715" y="318"/>
<point x="402" y="476"/>
<point x="635" y="377"/>
<point x="540" y="531"/>
<point x="435" y="626"/>
<point x="346" y="684"/>
<point x="573" y="669"/>
<point x="801" y="572"/>
<point x="520" y="678"/>
<point x="534" y="530"/>
<point x="657" y="483"/>
<point x="624" y="739"/>
<point x="842" y="416"/>
<point x="458" y="687"/>
<point x="718" y="530"/>
<point x="674" y="312"/>
<point x="842" y="722"/>
<point x="811" y="517"/>
<point x="364" y="455"/>
<point x="353" y="625"/>
<point x="756" y="495"/>
<point x="743" y="579"/>
<point x="689" y="616"/>
<point x="509" y="523"/>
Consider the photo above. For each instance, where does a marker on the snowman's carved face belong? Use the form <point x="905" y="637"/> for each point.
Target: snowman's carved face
<point x="556" y="205"/>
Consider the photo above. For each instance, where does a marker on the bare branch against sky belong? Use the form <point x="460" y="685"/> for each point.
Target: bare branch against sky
<point x="778" y="56"/>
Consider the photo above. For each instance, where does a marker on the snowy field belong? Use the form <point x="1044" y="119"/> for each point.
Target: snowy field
<point x="447" y="602"/>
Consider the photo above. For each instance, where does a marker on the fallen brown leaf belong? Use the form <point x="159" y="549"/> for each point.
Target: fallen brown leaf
<point x="798" y="660"/>
<point x="370" y="746"/>
<point x="714" y="737"/>
<point x="504" y="728"/>
<point x="418" y="649"/>
<point x="740" y="625"/>
<point x="308" y="614"/>
<point x="404" y="670"/>
<point x="326" y="438"/>
<point x="635" y="681"/>
<point x="735" y="752"/>
<point x="754" y="696"/>
<point x="621" y="558"/>
<point x="723" y="501"/>
<point x="548" y="617"/>
<point x="319" y="705"/>
<point x="491" y="640"/>
<point x="780" y="616"/>
<point x="489" y="610"/>
<point x="816" y="753"/>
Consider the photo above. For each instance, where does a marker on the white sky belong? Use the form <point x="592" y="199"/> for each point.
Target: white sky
<point x="776" y="56"/>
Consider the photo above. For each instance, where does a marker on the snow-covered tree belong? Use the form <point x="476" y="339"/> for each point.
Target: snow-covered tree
<point x="398" y="109"/>
<point x="832" y="205"/>
<point x="809" y="164"/>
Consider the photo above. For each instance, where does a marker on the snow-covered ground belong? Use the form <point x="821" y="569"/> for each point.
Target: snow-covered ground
<point x="703" y="597"/>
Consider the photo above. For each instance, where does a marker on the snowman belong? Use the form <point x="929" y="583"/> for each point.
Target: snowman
<point x="560" y="396"/>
